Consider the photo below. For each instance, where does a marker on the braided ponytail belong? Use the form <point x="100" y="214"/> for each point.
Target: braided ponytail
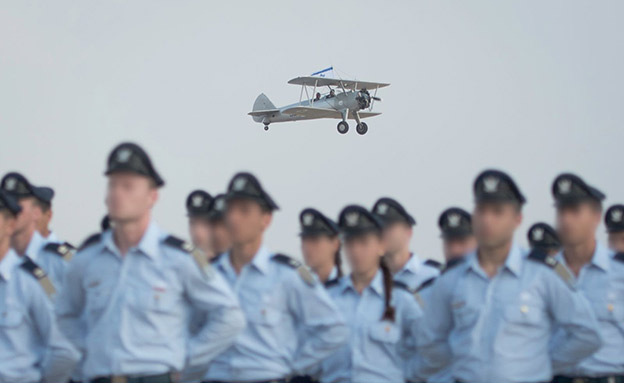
<point x="388" y="282"/>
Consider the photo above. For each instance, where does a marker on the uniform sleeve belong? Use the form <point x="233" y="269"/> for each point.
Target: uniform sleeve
<point x="70" y="304"/>
<point x="573" y="314"/>
<point x="60" y="356"/>
<point x="434" y="350"/>
<point x="323" y="330"/>
<point x="212" y="299"/>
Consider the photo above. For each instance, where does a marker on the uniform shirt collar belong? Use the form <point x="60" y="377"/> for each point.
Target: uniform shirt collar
<point x="8" y="264"/>
<point x="52" y="237"/>
<point x="260" y="260"/>
<point x="333" y="274"/>
<point x="35" y="245"/>
<point x="148" y="244"/>
<point x="376" y="284"/>
<point x="413" y="264"/>
<point x="513" y="262"/>
<point x="600" y="259"/>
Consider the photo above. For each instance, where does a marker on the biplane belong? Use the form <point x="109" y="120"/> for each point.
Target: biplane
<point x="343" y="100"/>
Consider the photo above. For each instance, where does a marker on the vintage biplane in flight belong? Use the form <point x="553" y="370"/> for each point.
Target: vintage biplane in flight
<point x="344" y="100"/>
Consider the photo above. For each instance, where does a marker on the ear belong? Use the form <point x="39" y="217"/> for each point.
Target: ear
<point x="267" y="218"/>
<point x="518" y="218"/>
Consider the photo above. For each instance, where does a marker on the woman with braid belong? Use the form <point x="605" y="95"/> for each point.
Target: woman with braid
<point x="383" y="317"/>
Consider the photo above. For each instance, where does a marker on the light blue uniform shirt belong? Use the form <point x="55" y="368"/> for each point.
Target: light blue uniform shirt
<point x="291" y="325"/>
<point x="53" y="264"/>
<point x="602" y="283"/>
<point x="32" y="348"/>
<point x="136" y="308"/>
<point x="415" y="273"/>
<point x="498" y="329"/>
<point x="377" y="349"/>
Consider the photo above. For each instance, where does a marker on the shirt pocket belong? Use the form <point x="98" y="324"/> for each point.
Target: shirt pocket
<point x="11" y="318"/>
<point x="609" y="311"/>
<point x="153" y="299"/>
<point x="385" y="332"/>
<point x="263" y="315"/>
<point x="524" y="314"/>
<point x="464" y="316"/>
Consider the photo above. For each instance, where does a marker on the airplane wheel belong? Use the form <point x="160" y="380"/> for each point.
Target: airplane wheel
<point x="266" y="127"/>
<point x="361" y="128"/>
<point x="343" y="127"/>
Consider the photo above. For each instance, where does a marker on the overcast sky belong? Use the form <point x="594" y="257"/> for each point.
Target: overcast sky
<point x="531" y="87"/>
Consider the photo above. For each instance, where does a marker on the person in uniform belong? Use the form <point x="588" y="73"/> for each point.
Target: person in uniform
<point x="614" y="220"/>
<point x="543" y="237"/>
<point x="491" y="316"/>
<point x="32" y="349"/>
<point x="292" y="324"/>
<point x="597" y="274"/>
<point x="198" y="206"/>
<point x="382" y="314"/>
<point x="320" y="244"/>
<point x="406" y="266"/>
<point x="27" y="241"/>
<point x="220" y="235"/>
<point x="128" y="292"/>
<point x="456" y="232"/>
<point x="43" y="223"/>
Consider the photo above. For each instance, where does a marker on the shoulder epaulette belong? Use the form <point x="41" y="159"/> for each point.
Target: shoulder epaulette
<point x="452" y="263"/>
<point x="433" y="263"/>
<point x="425" y="284"/>
<point x="91" y="240"/>
<point x="198" y="255"/>
<point x="64" y="250"/>
<point x="619" y="257"/>
<point x="331" y="282"/>
<point x="537" y="255"/>
<point x="33" y="269"/>
<point x="302" y="269"/>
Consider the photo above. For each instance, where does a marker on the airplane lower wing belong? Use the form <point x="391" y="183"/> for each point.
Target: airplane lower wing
<point x="263" y="112"/>
<point x="311" y="113"/>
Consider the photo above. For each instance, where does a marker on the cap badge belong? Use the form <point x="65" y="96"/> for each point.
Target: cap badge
<point x="219" y="204"/>
<point x="352" y="218"/>
<point x="617" y="215"/>
<point x="491" y="184"/>
<point x="123" y="155"/>
<point x="308" y="219"/>
<point x="382" y="208"/>
<point x="454" y="220"/>
<point x="538" y="234"/>
<point x="197" y="200"/>
<point x="564" y="185"/>
<point x="239" y="183"/>
<point x="10" y="183"/>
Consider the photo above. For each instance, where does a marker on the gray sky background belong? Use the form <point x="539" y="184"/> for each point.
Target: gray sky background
<point x="530" y="87"/>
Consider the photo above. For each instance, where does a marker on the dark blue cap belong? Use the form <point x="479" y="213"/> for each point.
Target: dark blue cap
<point x="130" y="157"/>
<point x="19" y="187"/>
<point x="314" y="223"/>
<point x="8" y="202"/>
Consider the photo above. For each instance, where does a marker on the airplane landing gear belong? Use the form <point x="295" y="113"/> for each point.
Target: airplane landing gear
<point x="361" y="128"/>
<point x="266" y="127"/>
<point x="343" y="127"/>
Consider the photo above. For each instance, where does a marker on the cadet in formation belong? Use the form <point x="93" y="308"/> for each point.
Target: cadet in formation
<point x="320" y="245"/>
<point x="128" y="292"/>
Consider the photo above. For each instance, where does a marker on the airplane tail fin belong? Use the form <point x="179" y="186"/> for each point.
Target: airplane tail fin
<point x="263" y="103"/>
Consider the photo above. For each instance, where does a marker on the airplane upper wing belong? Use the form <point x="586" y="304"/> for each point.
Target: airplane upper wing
<point x="348" y="84"/>
<point x="310" y="112"/>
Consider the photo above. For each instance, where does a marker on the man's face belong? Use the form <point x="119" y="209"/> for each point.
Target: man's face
<point x="246" y="220"/>
<point x="363" y="252"/>
<point x="44" y="219"/>
<point x="129" y="196"/>
<point x="319" y="250"/>
<point x="220" y="237"/>
<point x="30" y="214"/>
<point x="494" y="223"/>
<point x="396" y="237"/>
<point x="458" y="247"/>
<point x="201" y="233"/>
<point x="7" y="227"/>
<point x="616" y="241"/>
<point x="577" y="224"/>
